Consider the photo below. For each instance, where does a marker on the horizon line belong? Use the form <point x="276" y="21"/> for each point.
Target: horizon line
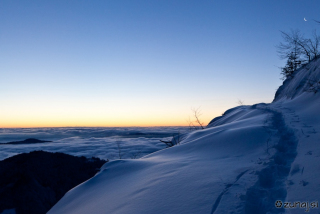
<point x="39" y="127"/>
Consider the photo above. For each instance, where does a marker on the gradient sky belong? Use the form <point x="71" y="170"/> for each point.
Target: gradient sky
<point x="139" y="62"/>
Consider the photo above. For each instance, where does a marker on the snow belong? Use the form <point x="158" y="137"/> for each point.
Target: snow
<point x="294" y="87"/>
<point x="243" y="162"/>
<point x="302" y="115"/>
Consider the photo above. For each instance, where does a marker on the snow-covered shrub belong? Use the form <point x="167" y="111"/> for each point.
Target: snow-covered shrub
<point x="313" y="85"/>
<point x="175" y="140"/>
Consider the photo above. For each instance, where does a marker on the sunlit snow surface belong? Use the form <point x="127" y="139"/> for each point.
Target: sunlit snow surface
<point x="134" y="142"/>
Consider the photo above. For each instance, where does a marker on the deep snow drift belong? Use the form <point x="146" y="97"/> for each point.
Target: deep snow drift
<point x="243" y="162"/>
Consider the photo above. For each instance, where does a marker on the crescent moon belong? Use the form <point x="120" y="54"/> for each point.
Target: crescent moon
<point x="304" y="19"/>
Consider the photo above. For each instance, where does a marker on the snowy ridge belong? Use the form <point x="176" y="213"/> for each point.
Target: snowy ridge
<point x="300" y="82"/>
<point x="182" y="179"/>
<point x="243" y="162"/>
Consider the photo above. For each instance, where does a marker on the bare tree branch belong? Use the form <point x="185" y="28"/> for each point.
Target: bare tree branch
<point x="168" y="143"/>
<point x="240" y="102"/>
<point x="175" y="140"/>
<point x="296" y="49"/>
<point x="197" y="114"/>
<point x="191" y="125"/>
<point x="316" y="21"/>
<point x="314" y="44"/>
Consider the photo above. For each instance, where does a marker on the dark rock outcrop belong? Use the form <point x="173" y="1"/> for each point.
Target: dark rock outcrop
<point x="28" y="141"/>
<point x="33" y="182"/>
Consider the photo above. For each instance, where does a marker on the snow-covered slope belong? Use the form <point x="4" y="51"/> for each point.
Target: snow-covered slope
<point x="306" y="79"/>
<point x="243" y="162"/>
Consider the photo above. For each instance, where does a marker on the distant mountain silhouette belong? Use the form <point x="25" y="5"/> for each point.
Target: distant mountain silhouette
<point x="28" y="141"/>
<point x="33" y="182"/>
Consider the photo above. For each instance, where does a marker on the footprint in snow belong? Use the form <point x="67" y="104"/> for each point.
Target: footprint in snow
<point x="309" y="153"/>
<point x="303" y="183"/>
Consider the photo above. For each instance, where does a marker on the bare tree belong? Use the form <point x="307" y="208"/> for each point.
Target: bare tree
<point x="197" y="113"/>
<point x="294" y="43"/>
<point x="240" y="102"/>
<point x="296" y="50"/>
<point x="196" y="123"/>
<point x="291" y="51"/>
<point x="314" y="44"/>
<point x="191" y="124"/>
<point x="289" y="43"/>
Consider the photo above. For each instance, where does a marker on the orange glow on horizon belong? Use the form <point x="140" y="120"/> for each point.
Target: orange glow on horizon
<point x="60" y="125"/>
<point x="82" y="123"/>
<point x="70" y="116"/>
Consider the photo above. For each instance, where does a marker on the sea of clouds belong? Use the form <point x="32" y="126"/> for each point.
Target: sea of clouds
<point x="105" y="143"/>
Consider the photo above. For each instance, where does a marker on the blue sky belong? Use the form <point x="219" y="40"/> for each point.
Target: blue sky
<point x="139" y="63"/>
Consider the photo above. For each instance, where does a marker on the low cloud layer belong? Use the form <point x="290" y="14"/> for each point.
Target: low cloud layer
<point x="134" y="142"/>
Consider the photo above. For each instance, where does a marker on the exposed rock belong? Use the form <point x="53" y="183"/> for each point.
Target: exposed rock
<point x="33" y="182"/>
